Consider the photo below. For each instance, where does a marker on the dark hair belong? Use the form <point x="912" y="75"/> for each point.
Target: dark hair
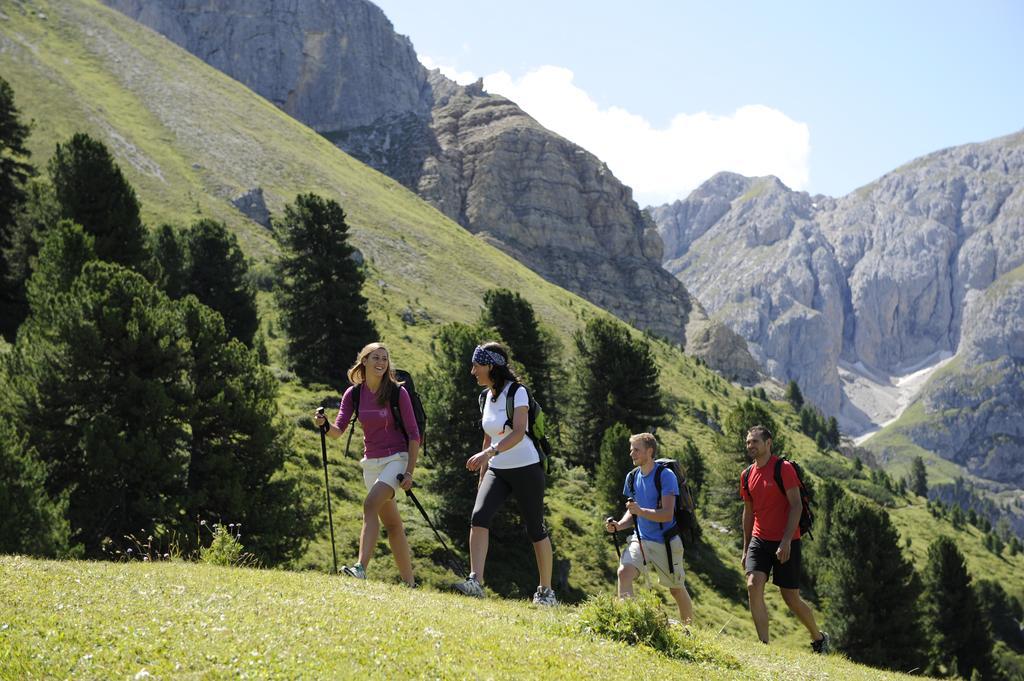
<point x="761" y="432"/>
<point x="500" y="375"/>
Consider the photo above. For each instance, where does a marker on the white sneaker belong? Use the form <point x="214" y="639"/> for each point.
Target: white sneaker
<point x="357" y="571"/>
<point x="545" y="596"/>
<point x="470" y="587"/>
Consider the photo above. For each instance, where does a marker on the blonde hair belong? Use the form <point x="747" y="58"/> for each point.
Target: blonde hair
<point x="357" y="373"/>
<point x="647" y="440"/>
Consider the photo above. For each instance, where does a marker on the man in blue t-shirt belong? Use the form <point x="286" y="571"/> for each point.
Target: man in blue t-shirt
<point x="652" y="520"/>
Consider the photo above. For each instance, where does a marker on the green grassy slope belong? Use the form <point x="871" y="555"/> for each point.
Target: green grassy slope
<point x="170" y="620"/>
<point x="189" y="139"/>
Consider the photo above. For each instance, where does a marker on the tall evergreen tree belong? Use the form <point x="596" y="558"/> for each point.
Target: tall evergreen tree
<point x="694" y="468"/>
<point x="92" y="191"/>
<point x="98" y="386"/>
<point x="537" y="353"/>
<point x="15" y="171"/>
<point x="723" y="492"/>
<point x="238" y="441"/>
<point x="870" y="590"/>
<point x="319" y="294"/>
<point x="453" y="411"/>
<point x="793" y="395"/>
<point x="960" y="635"/>
<point x="615" y="381"/>
<point x="918" y="477"/>
<point x="1002" y="611"/>
<point x="833" y="431"/>
<point x="36" y="217"/>
<point x="612" y="468"/>
<point x="217" y="274"/>
<point x="170" y="251"/>
<point x="34" y="522"/>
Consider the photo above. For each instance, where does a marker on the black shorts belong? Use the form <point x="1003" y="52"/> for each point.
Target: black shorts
<point x="761" y="558"/>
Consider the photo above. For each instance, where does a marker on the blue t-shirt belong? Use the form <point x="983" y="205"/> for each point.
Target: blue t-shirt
<point x="646" y="495"/>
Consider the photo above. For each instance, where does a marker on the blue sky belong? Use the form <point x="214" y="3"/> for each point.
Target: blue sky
<point x="828" y="96"/>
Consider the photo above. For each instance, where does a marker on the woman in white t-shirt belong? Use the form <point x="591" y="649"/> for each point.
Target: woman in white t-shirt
<point x="509" y="463"/>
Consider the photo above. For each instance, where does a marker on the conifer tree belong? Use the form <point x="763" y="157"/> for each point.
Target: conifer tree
<point x="98" y="383"/>
<point x="870" y="590"/>
<point x="616" y="381"/>
<point x="238" y="441"/>
<point x="451" y="400"/>
<point x="1002" y="611"/>
<point x="171" y="256"/>
<point x="833" y="431"/>
<point x="92" y="191"/>
<point x="217" y="275"/>
<point x="793" y="395"/>
<point x="319" y="294"/>
<point x="918" y="477"/>
<point x="537" y="353"/>
<point x="34" y="522"/>
<point x="15" y="171"/>
<point x="694" y="468"/>
<point x="960" y="635"/>
<point x="612" y="468"/>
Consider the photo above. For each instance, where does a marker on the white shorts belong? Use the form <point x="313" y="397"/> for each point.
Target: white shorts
<point x="385" y="469"/>
<point x="657" y="560"/>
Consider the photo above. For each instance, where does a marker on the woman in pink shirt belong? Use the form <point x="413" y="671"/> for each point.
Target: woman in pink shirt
<point x="391" y="444"/>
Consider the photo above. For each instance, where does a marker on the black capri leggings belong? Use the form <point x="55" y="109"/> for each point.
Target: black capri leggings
<point x="526" y="483"/>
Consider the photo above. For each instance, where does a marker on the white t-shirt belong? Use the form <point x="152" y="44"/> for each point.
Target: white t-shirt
<point x="494" y="417"/>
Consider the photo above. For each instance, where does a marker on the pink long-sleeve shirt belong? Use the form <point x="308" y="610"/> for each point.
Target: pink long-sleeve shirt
<point x="381" y="435"/>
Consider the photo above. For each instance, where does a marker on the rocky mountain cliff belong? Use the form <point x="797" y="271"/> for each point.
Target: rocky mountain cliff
<point x="478" y="158"/>
<point x="840" y="294"/>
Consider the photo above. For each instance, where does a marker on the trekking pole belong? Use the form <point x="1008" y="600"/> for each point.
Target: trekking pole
<point x="643" y="554"/>
<point x="615" y="536"/>
<point x="452" y="558"/>
<point x="327" y="486"/>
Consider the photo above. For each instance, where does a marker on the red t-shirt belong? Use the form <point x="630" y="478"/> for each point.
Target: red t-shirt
<point x="771" y="507"/>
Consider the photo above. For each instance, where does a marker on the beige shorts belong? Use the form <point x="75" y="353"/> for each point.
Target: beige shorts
<point x="385" y="469"/>
<point x="657" y="560"/>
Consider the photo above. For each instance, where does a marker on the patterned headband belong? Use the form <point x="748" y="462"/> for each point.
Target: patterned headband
<point x="487" y="357"/>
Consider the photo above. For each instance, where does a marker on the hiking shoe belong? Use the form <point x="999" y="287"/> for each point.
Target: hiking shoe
<point x="470" y="587"/>
<point x="822" y="645"/>
<point x="357" y="571"/>
<point x="545" y="596"/>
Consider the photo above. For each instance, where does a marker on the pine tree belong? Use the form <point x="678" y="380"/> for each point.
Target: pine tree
<point x="92" y="191"/>
<point x="870" y="590"/>
<point x="918" y="477"/>
<point x="694" y="468"/>
<point x="451" y="400"/>
<point x="217" y="274"/>
<point x="238" y="442"/>
<point x="537" y="353"/>
<point x="793" y="395"/>
<point x="833" y="432"/>
<point x="98" y="385"/>
<point x="170" y="253"/>
<point x="15" y="171"/>
<point x="319" y="294"/>
<point x="723" y="493"/>
<point x="1002" y="611"/>
<point x="960" y="634"/>
<point x="616" y="381"/>
<point x="612" y="468"/>
<point x="34" y="522"/>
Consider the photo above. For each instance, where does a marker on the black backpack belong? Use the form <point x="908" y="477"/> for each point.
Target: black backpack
<point x="405" y="380"/>
<point x="685" y="509"/>
<point x="535" y="424"/>
<point x="806" y="497"/>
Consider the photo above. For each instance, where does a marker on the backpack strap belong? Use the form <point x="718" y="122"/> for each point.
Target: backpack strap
<point x="746" y="480"/>
<point x="778" y="476"/>
<point x="357" y="390"/>
<point x="631" y="481"/>
<point x="483" y="399"/>
<point x="396" y="412"/>
<point x="510" y="403"/>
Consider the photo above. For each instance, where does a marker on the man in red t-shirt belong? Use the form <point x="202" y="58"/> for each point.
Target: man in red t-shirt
<point x="771" y="536"/>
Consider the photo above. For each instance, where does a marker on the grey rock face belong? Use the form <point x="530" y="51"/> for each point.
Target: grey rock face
<point x="332" y="65"/>
<point x="918" y="263"/>
<point x="340" y="68"/>
<point x="253" y="206"/>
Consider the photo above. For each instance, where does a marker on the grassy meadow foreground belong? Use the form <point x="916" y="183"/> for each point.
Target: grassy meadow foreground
<point x="180" y="620"/>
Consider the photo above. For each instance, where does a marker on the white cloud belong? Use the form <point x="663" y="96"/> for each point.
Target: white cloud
<point x="661" y="164"/>
<point x="460" y="77"/>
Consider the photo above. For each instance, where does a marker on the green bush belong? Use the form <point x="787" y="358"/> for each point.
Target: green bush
<point x="642" y="621"/>
<point x="226" y="549"/>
